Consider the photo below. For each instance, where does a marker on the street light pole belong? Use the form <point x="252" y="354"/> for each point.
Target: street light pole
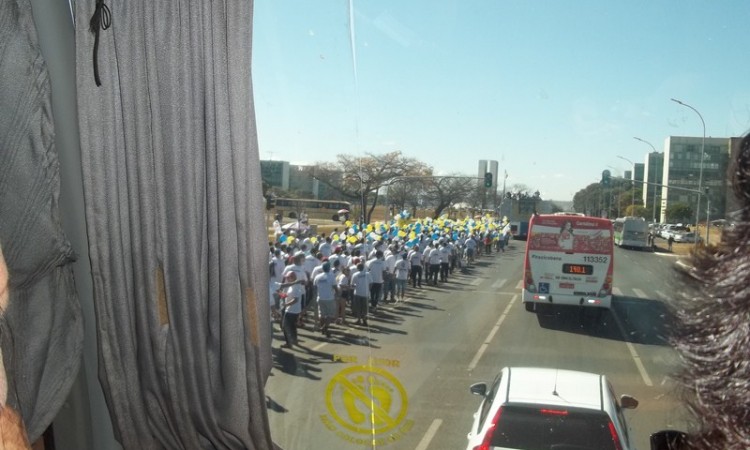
<point x="700" y="176"/>
<point x="653" y="205"/>
<point x="632" y="185"/>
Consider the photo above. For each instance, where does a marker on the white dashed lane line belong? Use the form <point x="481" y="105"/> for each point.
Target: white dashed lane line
<point x="487" y="341"/>
<point x="427" y="438"/>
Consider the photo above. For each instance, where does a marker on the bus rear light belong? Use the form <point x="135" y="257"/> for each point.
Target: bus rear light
<point x="540" y="297"/>
<point x="594" y="301"/>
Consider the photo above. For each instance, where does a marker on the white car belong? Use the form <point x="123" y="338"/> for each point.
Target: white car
<point x="686" y="237"/>
<point x="540" y="408"/>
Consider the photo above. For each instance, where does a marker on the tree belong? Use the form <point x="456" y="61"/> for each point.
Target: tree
<point x="679" y="212"/>
<point x="444" y="192"/>
<point x="361" y="179"/>
<point x="637" y="211"/>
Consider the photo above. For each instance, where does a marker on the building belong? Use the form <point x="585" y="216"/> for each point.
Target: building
<point x="638" y="172"/>
<point x="682" y="170"/>
<point x="653" y="169"/>
<point x="298" y="180"/>
<point x="275" y="173"/>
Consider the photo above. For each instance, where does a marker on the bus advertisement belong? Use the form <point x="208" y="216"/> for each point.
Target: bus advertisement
<point x="569" y="261"/>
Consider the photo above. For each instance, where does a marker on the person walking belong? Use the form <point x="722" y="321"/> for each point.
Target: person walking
<point x="402" y="276"/>
<point x="361" y="281"/>
<point x="376" y="267"/>
<point x="292" y="308"/>
<point x="415" y="260"/>
<point x="670" y="241"/>
<point x="325" y="285"/>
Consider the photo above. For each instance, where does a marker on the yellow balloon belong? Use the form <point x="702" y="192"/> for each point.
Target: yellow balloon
<point x="412" y="235"/>
<point x="402" y="233"/>
<point x="352" y="239"/>
<point x="348" y="223"/>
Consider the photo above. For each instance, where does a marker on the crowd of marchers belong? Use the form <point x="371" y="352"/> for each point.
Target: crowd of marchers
<point x="344" y="277"/>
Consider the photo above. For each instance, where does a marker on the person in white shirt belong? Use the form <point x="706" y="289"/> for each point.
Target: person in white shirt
<point x="376" y="267"/>
<point x="389" y="275"/>
<point x="415" y="260"/>
<point x="402" y="276"/>
<point x="292" y="308"/>
<point x="434" y="260"/>
<point x="343" y="281"/>
<point x="325" y="284"/>
<point x="361" y="281"/>
<point x="326" y="248"/>
<point x="278" y="263"/>
<point x="445" y="261"/>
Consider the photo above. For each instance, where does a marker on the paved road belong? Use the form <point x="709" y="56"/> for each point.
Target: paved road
<point x="425" y="353"/>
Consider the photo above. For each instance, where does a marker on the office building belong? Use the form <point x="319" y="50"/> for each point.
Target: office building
<point x="275" y="174"/>
<point x="653" y="171"/>
<point x="682" y="173"/>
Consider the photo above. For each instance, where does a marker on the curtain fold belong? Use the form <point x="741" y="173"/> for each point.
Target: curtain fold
<point x="42" y="331"/>
<point x="174" y="215"/>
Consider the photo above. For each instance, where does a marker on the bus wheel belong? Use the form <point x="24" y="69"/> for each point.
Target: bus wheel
<point x="529" y="306"/>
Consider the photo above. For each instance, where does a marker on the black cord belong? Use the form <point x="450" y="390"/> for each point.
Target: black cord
<point x="101" y="20"/>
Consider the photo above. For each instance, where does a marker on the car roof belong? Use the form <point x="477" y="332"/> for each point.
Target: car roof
<point x="555" y="387"/>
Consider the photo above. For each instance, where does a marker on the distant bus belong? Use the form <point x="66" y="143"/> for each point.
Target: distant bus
<point x="299" y="208"/>
<point x="569" y="261"/>
<point x="631" y="232"/>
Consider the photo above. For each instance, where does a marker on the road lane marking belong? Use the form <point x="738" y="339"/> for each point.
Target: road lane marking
<point x="617" y="291"/>
<point x="662" y="295"/>
<point x="498" y="284"/>
<point x="639" y="293"/>
<point x="519" y="285"/>
<point x="487" y="341"/>
<point x="475" y="281"/>
<point x="482" y="291"/>
<point x="319" y="346"/>
<point x="633" y="353"/>
<point x="425" y="442"/>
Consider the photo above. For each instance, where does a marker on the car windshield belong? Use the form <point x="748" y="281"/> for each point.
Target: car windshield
<point x="535" y="427"/>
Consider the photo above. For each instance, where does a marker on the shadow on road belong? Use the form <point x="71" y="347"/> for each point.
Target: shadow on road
<point x="631" y="319"/>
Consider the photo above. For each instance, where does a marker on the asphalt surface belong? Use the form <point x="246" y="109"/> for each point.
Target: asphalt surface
<point x="410" y="370"/>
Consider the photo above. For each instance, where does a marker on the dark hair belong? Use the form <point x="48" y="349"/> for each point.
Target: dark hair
<point x="712" y="332"/>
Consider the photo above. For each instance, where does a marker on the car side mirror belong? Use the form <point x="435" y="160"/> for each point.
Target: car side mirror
<point x="628" y="402"/>
<point x="479" y="389"/>
<point x="669" y="440"/>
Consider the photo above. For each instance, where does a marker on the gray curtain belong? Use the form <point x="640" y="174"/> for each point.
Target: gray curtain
<point x="42" y="332"/>
<point x="175" y="221"/>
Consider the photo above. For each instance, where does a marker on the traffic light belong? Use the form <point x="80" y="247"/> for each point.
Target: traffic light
<point x="271" y="202"/>
<point x="605" y="178"/>
<point x="488" y="179"/>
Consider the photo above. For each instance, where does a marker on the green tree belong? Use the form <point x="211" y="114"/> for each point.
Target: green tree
<point x="679" y="212"/>
<point x="637" y="211"/>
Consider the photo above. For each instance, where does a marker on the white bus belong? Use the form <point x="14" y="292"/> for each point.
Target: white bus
<point x="569" y="261"/>
<point x="631" y="232"/>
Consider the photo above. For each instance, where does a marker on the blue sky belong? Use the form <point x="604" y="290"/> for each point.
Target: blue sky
<point x="553" y="90"/>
